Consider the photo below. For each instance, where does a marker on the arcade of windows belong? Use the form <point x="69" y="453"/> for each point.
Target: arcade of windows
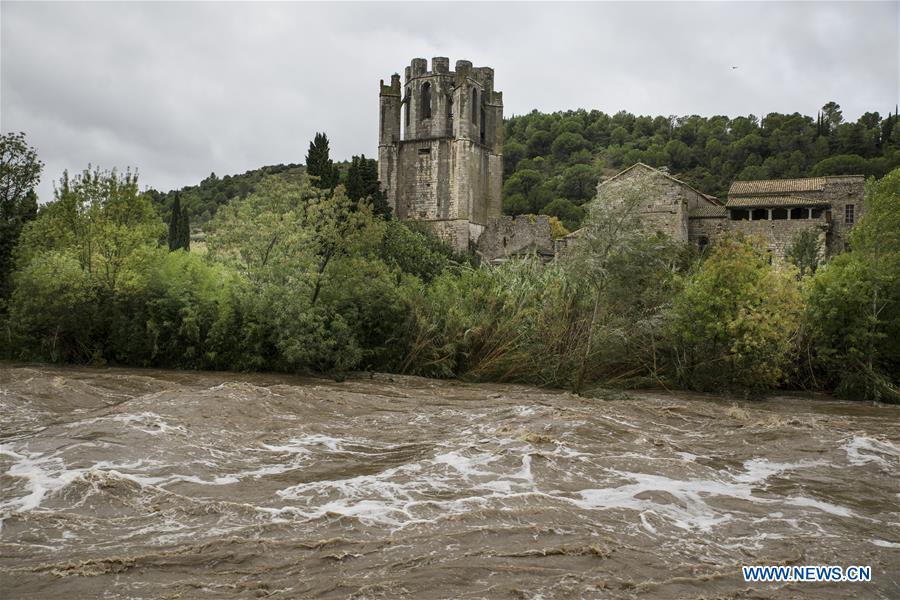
<point x="478" y="114"/>
<point x="774" y="214"/>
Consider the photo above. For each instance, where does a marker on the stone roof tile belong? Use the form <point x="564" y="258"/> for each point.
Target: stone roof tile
<point x="777" y="186"/>
<point x="770" y="201"/>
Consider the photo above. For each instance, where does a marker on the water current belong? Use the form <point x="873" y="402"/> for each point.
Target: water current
<point x="126" y="483"/>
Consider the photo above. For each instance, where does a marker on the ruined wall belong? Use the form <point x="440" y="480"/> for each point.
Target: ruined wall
<point x="507" y="236"/>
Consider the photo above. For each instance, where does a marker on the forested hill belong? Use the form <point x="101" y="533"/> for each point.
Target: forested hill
<point x="552" y="162"/>
<point x="202" y="200"/>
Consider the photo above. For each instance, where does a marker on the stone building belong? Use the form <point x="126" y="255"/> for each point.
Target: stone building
<point x="669" y="205"/>
<point x="779" y="209"/>
<point x="439" y="147"/>
<point x="774" y="210"/>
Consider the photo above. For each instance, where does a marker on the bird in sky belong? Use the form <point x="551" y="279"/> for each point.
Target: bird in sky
<point x="734" y="67"/>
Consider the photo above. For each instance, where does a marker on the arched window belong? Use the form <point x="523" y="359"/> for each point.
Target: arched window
<point x="474" y="105"/>
<point x="426" y="101"/>
<point x="450" y="111"/>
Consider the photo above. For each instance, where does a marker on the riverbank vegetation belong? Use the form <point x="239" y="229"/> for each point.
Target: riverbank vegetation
<point x="300" y="277"/>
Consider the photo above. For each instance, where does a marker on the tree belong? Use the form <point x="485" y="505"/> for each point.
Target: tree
<point x="626" y="273"/>
<point x="184" y="230"/>
<point x="89" y="248"/>
<point x="854" y="302"/>
<point x="735" y="324"/>
<point x="832" y="116"/>
<point x="320" y="165"/>
<point x="841" y="164"/>
<point x="174" y="228"/>
<point x="805" y="251"/>
<point x="569" y="214"/>
<point x="20" y="172"/>
<point x="363" y="184"/>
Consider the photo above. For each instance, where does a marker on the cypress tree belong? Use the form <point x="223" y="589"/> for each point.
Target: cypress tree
<point x="174" y="228"/>
<point x="319" y="164"/>
<point x="184" y="230"/>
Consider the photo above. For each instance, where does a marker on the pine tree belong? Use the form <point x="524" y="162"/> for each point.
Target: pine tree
<point x="174" y="228"/>
<point x="319" y="164"/>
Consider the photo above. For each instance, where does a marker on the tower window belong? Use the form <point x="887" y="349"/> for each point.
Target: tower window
<point x="474" y="106"/>
<point x="450" y="111"/>
<point x="426" y="100"/>
<point x="849" y="215"/>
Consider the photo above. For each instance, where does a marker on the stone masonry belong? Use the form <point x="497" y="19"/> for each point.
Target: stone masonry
<point x="439" y="150"/>
<point x="777" y="210"/>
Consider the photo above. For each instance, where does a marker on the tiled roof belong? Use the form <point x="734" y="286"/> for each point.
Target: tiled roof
<point x="708" y="212"/>
<point x="767" y="201"/>
<point x="776" y="186"/>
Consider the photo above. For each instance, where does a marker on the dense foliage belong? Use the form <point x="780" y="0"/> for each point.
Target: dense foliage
<point x="299" y="278"/>
<point x="20" y="172"/>
<point x="203" y="200"/>
<point x="552" y="162"/>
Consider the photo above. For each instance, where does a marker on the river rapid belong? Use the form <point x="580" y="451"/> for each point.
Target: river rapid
<point x="125" y="483"/>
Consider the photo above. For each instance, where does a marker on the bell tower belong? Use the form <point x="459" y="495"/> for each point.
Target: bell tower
<point x="439" y="149"/>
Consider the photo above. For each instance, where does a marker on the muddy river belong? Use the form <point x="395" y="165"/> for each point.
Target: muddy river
<point x="120" y="483"/>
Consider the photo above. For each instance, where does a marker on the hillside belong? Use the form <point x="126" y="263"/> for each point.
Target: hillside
<point x="552" y="162"/>
<point x="202" y="200"/>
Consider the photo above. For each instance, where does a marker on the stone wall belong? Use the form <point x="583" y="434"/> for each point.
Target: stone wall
<point x="710" y="228"/>
<point x="778" y="235"/>
<point x="666" y="201"/>
<point x="507" y="236"/>
<point x="841" y="191"/>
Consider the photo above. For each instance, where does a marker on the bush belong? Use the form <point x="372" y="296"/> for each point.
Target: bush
<point x="735" y="324"/>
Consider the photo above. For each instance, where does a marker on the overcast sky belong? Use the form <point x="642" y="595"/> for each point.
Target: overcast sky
<point x="179" y="90"/>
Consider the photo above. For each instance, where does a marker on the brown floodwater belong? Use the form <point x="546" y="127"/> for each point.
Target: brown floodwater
<point x="126" y="483"/>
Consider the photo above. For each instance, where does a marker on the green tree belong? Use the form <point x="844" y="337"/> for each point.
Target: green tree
<point x="319" y="163"/>
<point x="362" y="183"/>
<point x="184" y="230"/>
<point x="736" y="323"/>
<point x="174" y="227"/>
<point x="854" y="303"/>
<point x="832" y="116"/>
<point x="568" y="213"/>
<point x="89" y="249"/>
<point x="805" y="251"/>
<point x="20" y="172"/>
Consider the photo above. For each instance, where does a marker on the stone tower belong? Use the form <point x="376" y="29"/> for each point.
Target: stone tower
<point x="439" y="147"/>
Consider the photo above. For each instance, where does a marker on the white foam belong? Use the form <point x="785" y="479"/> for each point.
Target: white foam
<point x="862" y="450"/>
<point x="885" y="543"/>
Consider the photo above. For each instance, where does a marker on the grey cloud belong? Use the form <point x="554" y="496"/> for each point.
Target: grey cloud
<point x="182" y="89"/>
